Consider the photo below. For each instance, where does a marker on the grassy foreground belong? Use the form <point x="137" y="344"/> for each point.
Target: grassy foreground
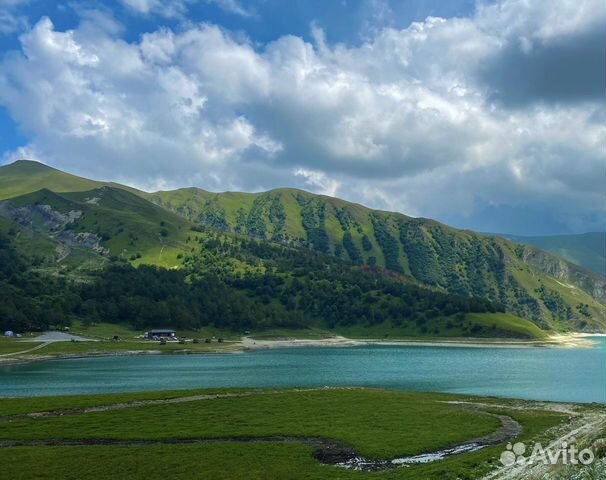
<point x="377" y="424"/>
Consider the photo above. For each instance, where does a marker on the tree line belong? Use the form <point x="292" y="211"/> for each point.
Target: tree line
<point x="227" y="282"/>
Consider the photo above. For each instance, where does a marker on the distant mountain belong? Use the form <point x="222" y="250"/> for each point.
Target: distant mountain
<point x="586" y="249"/>
<point x="154" y="228"/>
<point x="26" y="176"/>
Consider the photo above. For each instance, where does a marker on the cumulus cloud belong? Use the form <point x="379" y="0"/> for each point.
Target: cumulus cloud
<point x="471" y="120"/>
<point x="318" y="181"/>
<point x="546" y="54"/>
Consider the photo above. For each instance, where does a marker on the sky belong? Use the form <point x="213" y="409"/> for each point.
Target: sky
<point x="485" y="115"/>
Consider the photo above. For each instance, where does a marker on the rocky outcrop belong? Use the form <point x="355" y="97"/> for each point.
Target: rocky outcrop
<point x="44" y="215"/>
<point x="565" y="272"/>
<point x="53" y="223"/>
<point x="82" y="239"/>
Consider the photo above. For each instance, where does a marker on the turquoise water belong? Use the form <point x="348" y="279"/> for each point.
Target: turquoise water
<point x="572" y="375"/>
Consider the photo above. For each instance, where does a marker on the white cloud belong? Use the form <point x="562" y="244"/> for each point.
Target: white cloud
<point x="179" y="8"/>
<point x="233" y="6"/>
<point x="11" y="20"/>
<point x="408" y="120"/>
<point x="318" y="181"/>
<point x="109" y="108"/>
<point x="164" y="8"/>
<point x="10" y="23"/>
<point x="27" y="152"/>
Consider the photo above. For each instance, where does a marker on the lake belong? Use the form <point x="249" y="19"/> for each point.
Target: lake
<point x="570" y="375"/>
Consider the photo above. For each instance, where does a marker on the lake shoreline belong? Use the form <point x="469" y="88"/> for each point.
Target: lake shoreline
<point x="573" y="340"/>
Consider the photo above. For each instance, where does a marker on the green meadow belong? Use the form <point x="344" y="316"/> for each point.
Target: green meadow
<point x="244" y="431"/>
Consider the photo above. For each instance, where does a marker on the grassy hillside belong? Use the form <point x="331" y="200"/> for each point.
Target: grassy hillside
<point x="30" y="244"/>
<point x="587" y="250"/>
<point x="227" y="283"/>
<point x="284" y="215"/>
<point x="107" y="221"/>
<point x="27" y="176"/>
<point x="530" y="283"/>
<point x="471" y="325"/>
<point x="444" y="258"/>
<point x="133" y="228"/>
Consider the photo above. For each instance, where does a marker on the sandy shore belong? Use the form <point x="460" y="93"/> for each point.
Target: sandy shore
<point x="574" y="340"/>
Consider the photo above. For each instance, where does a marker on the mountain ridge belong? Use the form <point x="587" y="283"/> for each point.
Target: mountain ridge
<point x="587" y="250"/>
<point x="530" y="283"/>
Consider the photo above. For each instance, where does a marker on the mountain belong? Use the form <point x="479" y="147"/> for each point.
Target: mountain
<point x="109" y="221"/>
<point x="586" y="249"/>
<point x="529" y="282"/>
<point x="237" y="284"/>
<point x="26" y="176"/>
<point x="65" y="255"/>
<point x="161" y="228"/>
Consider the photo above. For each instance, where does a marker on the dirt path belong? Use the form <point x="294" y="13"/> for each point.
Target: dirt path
<point x="564" y="408"/>
<point x="159" y="401"/>
<point x="586" y="425"/>
<point x="509" y="430"/>
<point x="46" y="338"/>
<point x="311" y="441"/>
<point x="37" y="347"/>
<point x="328" y="452"/>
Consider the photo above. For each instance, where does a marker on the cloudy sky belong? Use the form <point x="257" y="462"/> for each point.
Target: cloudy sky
<point x="484" y="115"/>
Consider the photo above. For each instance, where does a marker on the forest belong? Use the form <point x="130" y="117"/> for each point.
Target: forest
<point x="228" y="282"/>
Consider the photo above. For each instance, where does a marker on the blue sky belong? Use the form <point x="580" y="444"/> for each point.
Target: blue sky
<point x="483" y="115"/>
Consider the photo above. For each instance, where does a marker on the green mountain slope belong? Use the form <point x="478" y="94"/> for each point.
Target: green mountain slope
<point x="26" y="176"/>
<point x="587" y="250"/>
<point x="100" y="223"/>
<point x="530" y="283"/>
<point x="230" y="283"/>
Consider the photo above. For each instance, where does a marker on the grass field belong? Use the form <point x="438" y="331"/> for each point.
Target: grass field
<point x="375" y="423"/>
<point x="304" y="333"/>
<point x="12" y="345"/>
<point x="66" y="349"/>
<point x="481" y="325"/>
